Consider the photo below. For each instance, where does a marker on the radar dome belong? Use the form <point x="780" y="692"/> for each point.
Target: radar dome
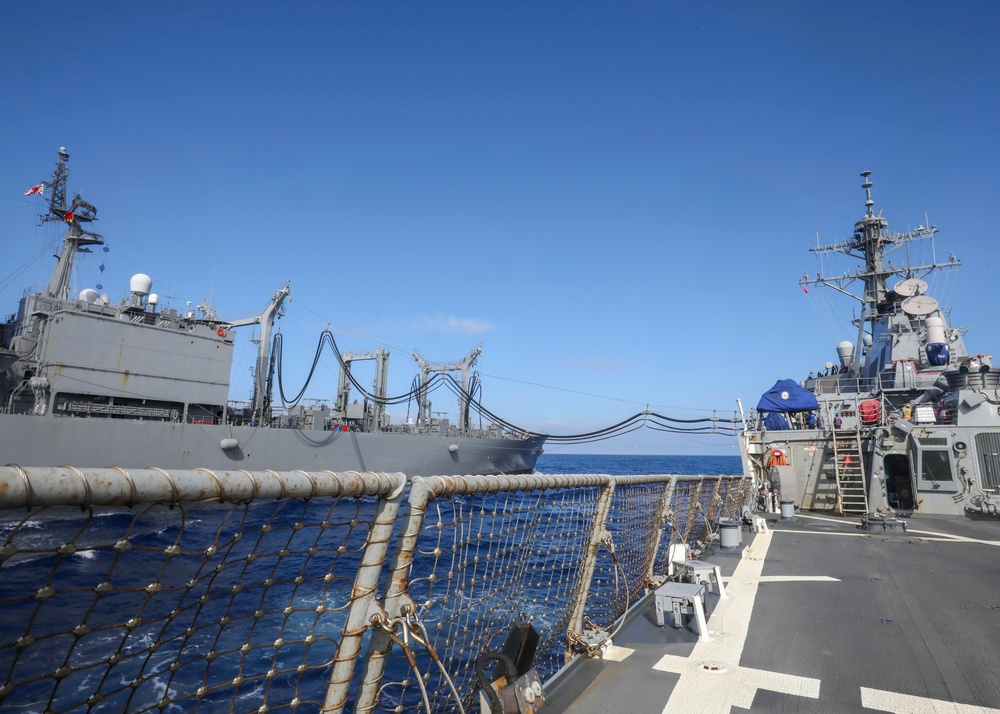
<point x="845" y="351"/>
<point x="89" y="295"/>
<point x="153" y="299"/>
<point x="140" y="284"/>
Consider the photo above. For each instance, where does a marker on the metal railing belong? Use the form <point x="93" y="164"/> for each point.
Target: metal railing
<point x="145" y="590"/>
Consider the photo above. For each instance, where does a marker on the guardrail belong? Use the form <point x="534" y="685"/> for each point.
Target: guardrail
<point x="148" y="590"/>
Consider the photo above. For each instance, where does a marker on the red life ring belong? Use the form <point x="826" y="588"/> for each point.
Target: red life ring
<point x="221" y="332"/>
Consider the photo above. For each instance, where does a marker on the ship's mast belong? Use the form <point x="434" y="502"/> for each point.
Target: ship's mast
<point x="868" y="234"/>
<point x="76" y="239"/>
<point x="871" y="243"/>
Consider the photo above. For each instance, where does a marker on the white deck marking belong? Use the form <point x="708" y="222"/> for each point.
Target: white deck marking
<point x="798" y="579"/>
<point x="614" y="653"/>
<point x="724" y="683"/>
<point x="841" y="521"/>
<point x="936" y="534"/>
<point x="956" y="538"/>
<point x="793" y="579"/>
<point x="863" y="534"/>
<point x="907" y="704"/>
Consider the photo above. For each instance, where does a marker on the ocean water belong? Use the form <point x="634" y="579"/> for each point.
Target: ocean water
<point x="617" y="464"/>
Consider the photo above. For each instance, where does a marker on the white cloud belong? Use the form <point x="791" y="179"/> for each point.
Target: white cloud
<point x="451" y="325"/>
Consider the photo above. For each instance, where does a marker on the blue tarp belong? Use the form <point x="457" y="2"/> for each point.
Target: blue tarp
<point x="787" y="396"/>
<point x="775" y="421"/>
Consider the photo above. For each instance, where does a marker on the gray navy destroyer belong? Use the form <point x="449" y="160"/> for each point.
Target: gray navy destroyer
<point x="868" y="578"/>
<point x="907" y="420"/>
<point x="88" y="383"/>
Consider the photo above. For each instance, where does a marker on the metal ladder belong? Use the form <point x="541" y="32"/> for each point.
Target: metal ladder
<point x="852" y="497"/>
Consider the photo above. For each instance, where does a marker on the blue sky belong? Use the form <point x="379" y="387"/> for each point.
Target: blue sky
<point x="617" y="200"/>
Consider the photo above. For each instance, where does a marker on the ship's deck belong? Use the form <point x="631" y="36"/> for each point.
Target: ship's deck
<point x="822" y="617"/>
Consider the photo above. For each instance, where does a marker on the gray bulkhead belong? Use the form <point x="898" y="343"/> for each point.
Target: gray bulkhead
<point x="132" y="356"/>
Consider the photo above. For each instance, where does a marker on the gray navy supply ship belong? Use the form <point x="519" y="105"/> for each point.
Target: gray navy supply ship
<point x="88" y="383"/>
<point x="907" y="421"/>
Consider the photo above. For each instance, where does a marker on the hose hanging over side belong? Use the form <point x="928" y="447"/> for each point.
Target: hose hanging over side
<point x="471" y="398"/>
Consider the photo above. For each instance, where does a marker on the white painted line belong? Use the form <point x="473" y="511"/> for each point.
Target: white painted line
<point x="842" y="521"/>
<point x="782" y="683"/>
<point x="957" y="539"/>
<point x="793" y="579"/>
<point x="907" y="704"/>
<point x="723" y="684"/>
<point x="798" y="579"/>
<point x="827" y="533"/>
<point x="614" y="653"/>
<point x="946" y="536"/>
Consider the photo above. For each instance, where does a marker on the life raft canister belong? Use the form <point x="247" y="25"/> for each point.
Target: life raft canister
<point x="870" y="411"/>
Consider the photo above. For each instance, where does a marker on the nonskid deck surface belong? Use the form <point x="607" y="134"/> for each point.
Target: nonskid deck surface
<point x="823" y="617"/>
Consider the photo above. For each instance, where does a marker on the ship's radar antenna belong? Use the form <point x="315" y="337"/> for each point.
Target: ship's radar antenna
<point x="867" y="186"/>
<point x="77" y="239"/>
<point x="57" y="197"/>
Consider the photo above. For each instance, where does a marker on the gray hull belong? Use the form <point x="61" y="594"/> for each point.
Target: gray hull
<point x="48" y="441"/>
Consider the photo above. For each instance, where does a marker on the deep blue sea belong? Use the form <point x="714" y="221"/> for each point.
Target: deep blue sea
<point x="617" y="464"/>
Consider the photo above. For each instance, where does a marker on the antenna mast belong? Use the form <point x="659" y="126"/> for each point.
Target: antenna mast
<point x="77" y="239"/>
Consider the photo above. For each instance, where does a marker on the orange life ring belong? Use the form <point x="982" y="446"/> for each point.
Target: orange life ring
<point x="221" y="332"/>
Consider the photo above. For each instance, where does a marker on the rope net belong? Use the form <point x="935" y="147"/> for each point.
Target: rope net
<point x="619" y="578"/>
<point x="482" y="562"/>
<point x="156" y="592"/>
<point x="199" y="607"/>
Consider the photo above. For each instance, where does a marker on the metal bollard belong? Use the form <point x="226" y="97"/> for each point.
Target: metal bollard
<point x="729" y="534"/>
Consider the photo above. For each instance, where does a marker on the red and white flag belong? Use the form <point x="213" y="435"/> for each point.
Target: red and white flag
<point x="35" y="190"/>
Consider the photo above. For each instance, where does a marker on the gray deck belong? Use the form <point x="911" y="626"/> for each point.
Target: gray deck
<point x="833" y="619"/>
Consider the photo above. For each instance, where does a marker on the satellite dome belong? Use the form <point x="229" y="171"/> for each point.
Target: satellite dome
<point x="153" y="299"/>
<point x="89" y="295"/>
<point x="140" y="284"/>
<point x="845" y="352"/>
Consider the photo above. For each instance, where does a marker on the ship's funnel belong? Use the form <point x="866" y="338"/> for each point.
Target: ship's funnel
<point x="845" y="352"/>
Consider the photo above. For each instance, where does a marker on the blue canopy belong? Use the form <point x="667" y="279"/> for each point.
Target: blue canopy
<point x="787" y="396"/>
<point x="776" y="421"/>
